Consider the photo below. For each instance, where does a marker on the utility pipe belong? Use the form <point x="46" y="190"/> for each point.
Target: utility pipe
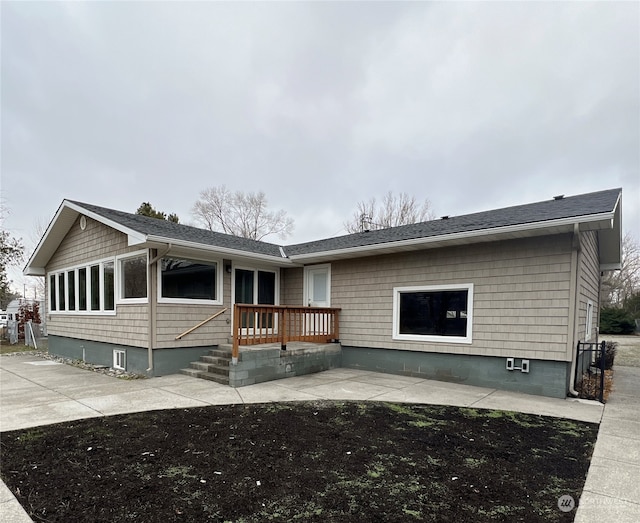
<point x="576" y="249"/>
<point x="151" y="310"/>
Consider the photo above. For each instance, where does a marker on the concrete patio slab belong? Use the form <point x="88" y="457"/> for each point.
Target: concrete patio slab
<point x="271" y="392"/>
<point x="428" y="393"/>
<point x="596" y="508"/>
<point x="620" y="449"/>
<point x="138" y="401"/>
<point x="44" y="414"/>
<point x="620" y="427"/>
<point x="33" y="395"/>
<point x="347" y="390"/>
<point x="559" y="408"/>
<point x="614" y="479"/>
<point x="207" y="392"/>
<point x="392" y="382"/>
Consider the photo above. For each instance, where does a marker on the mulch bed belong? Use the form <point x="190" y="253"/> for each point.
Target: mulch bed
<point x="314" y="461"/>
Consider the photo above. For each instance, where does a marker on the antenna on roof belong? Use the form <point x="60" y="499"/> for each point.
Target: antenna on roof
<point x="559" y="197"/>
<point x="365" y="222"/>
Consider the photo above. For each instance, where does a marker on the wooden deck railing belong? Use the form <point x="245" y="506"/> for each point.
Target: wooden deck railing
<point x="256" y="324"/>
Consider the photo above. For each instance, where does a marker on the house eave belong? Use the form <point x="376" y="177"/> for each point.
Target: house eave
<point x="591" y="222"/>
<point x="57" y="229"/>
<point x="154" y="241"/>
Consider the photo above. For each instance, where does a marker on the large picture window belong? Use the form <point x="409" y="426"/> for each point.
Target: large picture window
<point x="441" y="313"/>
<point x="191" y="281"/>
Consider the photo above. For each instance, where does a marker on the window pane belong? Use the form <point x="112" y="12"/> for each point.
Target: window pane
<point x="108" y="286"/>
<point x="188" y="279"/>
<point x="244" y="286"/>
<point x="439" y="313"/>
<point x="61" y="303"/>
<point x="134" y="277"/>
<point x="266" y="288"/>
<point x="71" y="290"/>
<point x="53" y="295"/>
<point x="95" y="287"/>
<point x="319" y="286"/>
<point x="82" y="289"/>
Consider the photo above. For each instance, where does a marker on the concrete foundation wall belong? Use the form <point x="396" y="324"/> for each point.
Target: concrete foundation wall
<point x="257" y="366"/>
<point x="165" y="361"/>
<point x="546" y="378"/>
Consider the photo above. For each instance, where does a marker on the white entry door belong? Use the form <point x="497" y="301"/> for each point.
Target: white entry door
<point x="317" y="286"/>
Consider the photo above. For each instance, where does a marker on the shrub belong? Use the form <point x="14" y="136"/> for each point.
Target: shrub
<point x="616" y="321"/>
<point x="609" y="354"/>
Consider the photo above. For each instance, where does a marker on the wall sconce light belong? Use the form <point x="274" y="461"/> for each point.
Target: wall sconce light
<point x="227" y="268"/>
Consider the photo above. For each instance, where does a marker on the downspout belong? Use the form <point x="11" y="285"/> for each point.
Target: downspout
<point x="576" y="249"/>
<point x="152" y="275"/>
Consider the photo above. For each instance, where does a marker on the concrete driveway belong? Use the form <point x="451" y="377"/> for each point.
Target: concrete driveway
<point x="35" y="391"/>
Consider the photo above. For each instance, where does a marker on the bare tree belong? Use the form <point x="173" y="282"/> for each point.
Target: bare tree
<point x="394" y="211"/>
<point x="11" y="254"/>
<point x="240" y="214"/>
<point x="619" y="286"/>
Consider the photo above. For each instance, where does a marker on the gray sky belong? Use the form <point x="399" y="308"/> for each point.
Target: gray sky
<point x="472" y="105"/>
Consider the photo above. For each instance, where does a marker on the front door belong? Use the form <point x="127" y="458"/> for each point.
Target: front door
<point x="318" y="286"/>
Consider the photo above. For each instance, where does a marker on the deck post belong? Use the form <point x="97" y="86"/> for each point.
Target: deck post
<point x="283" y="329"/>
<point x="236" y="334"/>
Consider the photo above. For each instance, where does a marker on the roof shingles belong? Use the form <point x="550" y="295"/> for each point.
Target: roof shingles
<point x="549" y="210"/>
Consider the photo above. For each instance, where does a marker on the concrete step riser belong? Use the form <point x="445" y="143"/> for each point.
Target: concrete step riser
<point x="217" y="353"/>
<point x="224" y="380"/>
<point x="215" y="360"/>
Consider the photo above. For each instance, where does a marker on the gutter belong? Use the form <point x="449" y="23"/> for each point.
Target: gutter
<point x="152" y="302"/>
<point x="279" y="260"/>
<point x="574" y="221"/>
<point x="573" y="306"/>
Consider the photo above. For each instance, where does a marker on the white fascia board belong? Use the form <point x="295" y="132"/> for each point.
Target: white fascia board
<point x="536" y="226"/>
<point x="220" y="250"/>
<point x="37" y="271"/>
<point x="28" y="271"/>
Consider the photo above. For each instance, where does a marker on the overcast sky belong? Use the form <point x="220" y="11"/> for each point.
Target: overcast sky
<point x="473" y="106"/>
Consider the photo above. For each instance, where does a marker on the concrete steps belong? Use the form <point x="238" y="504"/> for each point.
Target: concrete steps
<point x="214" y="366"/>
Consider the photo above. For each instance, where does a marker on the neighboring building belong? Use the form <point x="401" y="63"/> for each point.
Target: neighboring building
<point x="449" y="299"/>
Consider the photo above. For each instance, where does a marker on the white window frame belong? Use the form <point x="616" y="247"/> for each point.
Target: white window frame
<point x="119" y="277"/>
<point x="76" y="268"/>
<point x="119" y="359"/>
<point x="255" y="270"/>
<point x="187" y="301"/>
<point x="468" y="339"/>
<point x="588" y="334"/>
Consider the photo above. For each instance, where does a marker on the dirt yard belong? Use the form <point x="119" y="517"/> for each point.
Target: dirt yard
<point x="310" y="462"/>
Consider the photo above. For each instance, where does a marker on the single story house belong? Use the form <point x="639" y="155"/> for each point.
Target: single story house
<point x="497" y="298"/>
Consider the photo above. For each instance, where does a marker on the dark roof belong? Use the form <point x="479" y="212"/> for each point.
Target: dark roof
<point x="169" y="230"/>
<point x="548" y="210"/>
